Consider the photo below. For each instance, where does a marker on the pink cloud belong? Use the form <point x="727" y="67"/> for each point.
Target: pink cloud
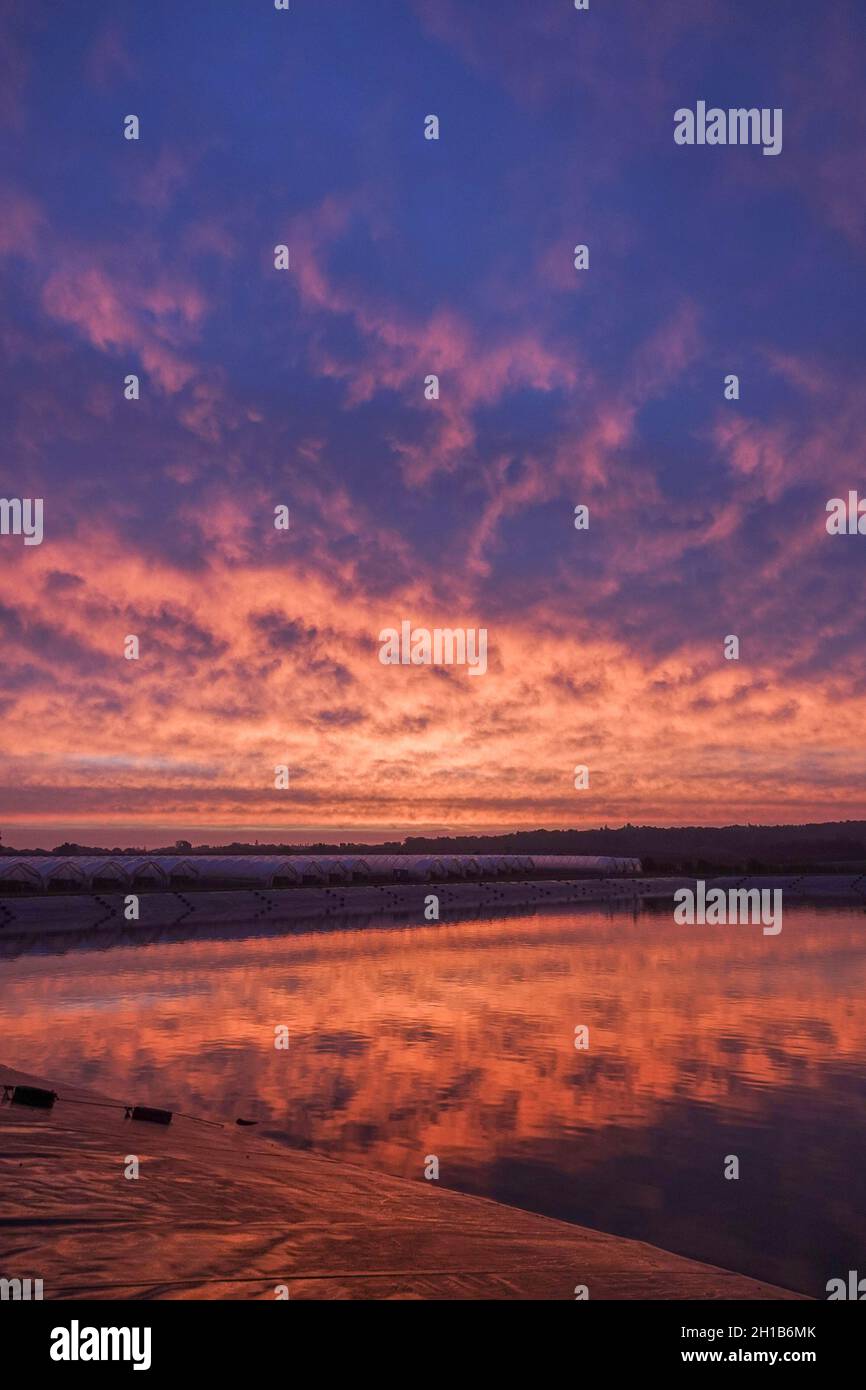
<point x="399" y="352"/>
<point x="154" y="186"/>
<point x="21" y="222"/>
<point x="250" y="655"/>
<point x="107" y="60"/>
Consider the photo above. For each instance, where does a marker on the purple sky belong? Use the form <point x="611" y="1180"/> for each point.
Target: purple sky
<point x="306" y="388"/>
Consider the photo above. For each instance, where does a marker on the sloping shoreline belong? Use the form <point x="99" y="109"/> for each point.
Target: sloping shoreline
<point x="169" y="908"/>
<point x="219" y="1214"/>
<point x="90" y="914"/>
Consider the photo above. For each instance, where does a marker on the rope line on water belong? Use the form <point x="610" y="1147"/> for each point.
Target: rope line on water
<point x="40" y="1099"/>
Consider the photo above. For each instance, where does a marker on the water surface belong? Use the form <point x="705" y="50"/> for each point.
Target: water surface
<point x="458" y="1041"/>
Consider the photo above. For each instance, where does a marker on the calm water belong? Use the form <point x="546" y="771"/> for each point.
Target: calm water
<point x="458" y="1041"/>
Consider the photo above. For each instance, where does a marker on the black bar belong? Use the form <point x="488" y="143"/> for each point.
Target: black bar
<point x="270" y="1335"/>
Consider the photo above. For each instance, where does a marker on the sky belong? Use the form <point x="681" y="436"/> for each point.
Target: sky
<point x="304" y="388"/>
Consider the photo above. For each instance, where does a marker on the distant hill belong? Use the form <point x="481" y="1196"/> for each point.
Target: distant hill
<point x="832" y="846"/>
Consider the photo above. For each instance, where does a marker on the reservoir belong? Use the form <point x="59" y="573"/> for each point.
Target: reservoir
<point x="458" y="1040"/>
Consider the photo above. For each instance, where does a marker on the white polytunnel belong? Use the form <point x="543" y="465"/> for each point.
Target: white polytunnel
<point x="335" y="869"/>
<point x="146" y="872"/>
<point x="357" y="869"/>
<point x="313" y="870"/>
<point x="403" y="868"/>
<point x="433" y="867"/>
<point x="383" y="867"/>
<point x="286" y="872"/>
<point x="584" y="863"/>
<point x="43" y="865"/>
<point x="455" y="865"/>
<point x="258" y="870"/>
<point x="66" y="874"/>
<point x="104" y="873"/>
<point x="264" y="870"/>
<point x="421" y="868"/>
<point x="184" y="871"/>
<point x="20" y="873"/>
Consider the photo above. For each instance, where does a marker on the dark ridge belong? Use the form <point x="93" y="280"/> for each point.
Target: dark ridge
<point x="834" y="846"/>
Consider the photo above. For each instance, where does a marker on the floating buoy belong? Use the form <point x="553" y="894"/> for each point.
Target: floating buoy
<point x="146" y="1112"/>
<point x="31" y="1095"/>
<point x="42" y="1099"/>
